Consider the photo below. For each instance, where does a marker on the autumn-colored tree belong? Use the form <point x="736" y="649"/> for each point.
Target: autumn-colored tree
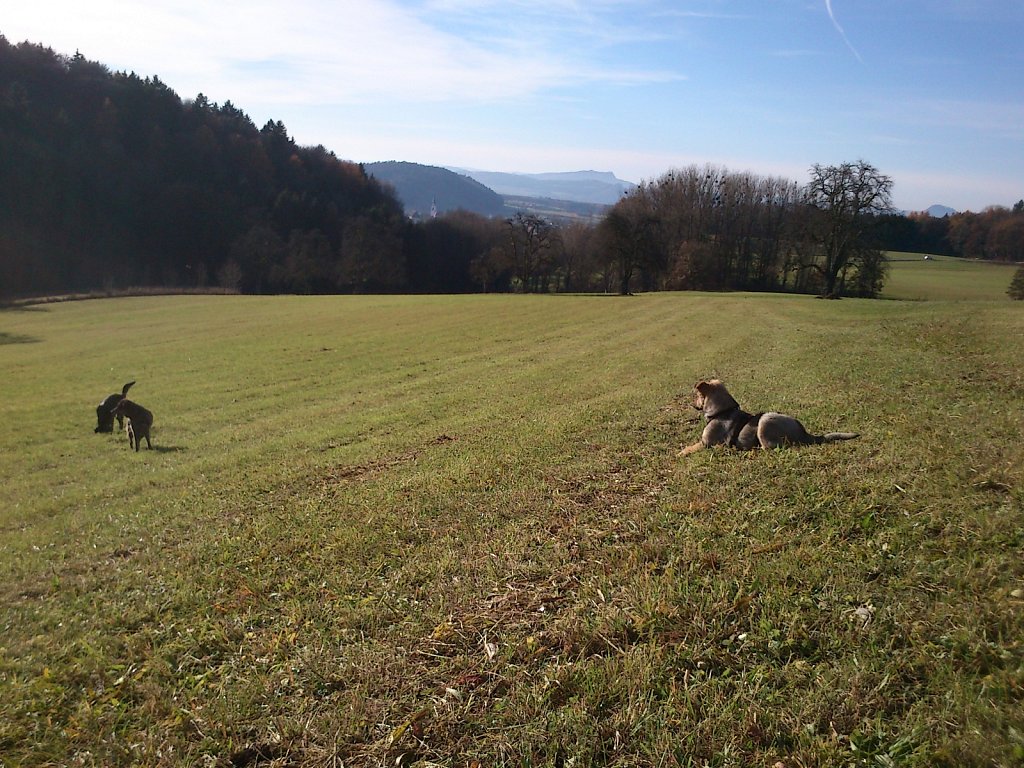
<point x="1005" y="240"/>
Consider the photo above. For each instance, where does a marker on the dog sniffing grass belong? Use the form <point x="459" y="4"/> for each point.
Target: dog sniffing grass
<point x="105" y="410"/>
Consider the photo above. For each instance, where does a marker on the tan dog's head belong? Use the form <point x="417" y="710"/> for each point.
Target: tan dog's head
<point x="125" y="408"/>
<point x="712" y="397"/>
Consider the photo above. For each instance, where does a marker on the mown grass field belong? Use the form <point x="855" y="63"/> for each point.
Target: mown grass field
<point x="455" y="531"/>
<point x="946" y="278"/>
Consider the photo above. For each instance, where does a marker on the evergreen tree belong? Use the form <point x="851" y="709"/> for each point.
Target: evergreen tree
<point x="1016" y="289"/>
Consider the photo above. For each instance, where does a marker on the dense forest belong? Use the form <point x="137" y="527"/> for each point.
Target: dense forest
<point x="109" y="180"/>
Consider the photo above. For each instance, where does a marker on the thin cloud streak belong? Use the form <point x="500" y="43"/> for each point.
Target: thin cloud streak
<point x="839" y="29"/>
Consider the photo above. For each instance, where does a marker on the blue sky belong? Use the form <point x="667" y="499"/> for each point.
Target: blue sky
<point x="930" y="92"/>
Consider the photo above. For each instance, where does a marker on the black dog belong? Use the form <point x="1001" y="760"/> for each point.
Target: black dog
<point x="140" y="422"/>
<point x="105" y="411"/>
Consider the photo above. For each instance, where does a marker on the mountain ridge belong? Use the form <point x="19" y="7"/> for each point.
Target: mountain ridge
<point x="424" y="189"/>
<point x="595" y="187"/>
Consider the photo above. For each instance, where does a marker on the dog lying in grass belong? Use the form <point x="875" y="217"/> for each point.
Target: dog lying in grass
<point x="728" y="424"/>
<point x="139" y="422"/>
<point x="105" y="410"/>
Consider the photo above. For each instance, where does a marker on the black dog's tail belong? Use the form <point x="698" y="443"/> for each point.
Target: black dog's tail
<point x="125" y="388"/>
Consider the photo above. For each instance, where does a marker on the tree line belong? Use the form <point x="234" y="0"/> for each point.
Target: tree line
<point x="109" y="180"/>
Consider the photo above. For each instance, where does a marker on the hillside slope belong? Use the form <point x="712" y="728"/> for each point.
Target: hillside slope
<point x="419" y="187"/>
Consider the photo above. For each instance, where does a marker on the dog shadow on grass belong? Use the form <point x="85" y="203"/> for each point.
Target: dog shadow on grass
<point x="169" y="448"/>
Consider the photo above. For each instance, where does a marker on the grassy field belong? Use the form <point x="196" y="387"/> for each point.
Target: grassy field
<point x="946" y="278"/>
<point x="455" y="531"/>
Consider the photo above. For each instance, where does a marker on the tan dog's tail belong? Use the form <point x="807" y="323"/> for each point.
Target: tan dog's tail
<point x="831" y="437"/>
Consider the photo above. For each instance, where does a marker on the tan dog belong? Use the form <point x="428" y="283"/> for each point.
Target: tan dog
<point x="138" y="422"/>
<point x="728" y="425"/>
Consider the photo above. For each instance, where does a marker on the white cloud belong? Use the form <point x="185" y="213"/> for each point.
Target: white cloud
<point x="538" y="85"/>
<point x="312" y="52"/>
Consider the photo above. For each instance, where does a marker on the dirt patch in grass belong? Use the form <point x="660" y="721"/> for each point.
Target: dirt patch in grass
<point x="350" y="472"/>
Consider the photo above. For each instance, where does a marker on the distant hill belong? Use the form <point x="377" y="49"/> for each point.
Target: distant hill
<point x="938" y="211"/>
<point x="597" y="187"/>
<point x="421" y="186"/>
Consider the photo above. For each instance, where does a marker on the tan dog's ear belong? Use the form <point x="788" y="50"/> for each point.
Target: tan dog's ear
<point x="702" y="387"/>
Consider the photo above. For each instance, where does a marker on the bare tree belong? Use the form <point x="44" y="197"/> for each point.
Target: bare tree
<point x="576" y="252"/>
<point x="489" y="267"/>
<point x="631" y="238"/>
<point x="723" y="229"/>
<point x="685" y="200"/>
<point x="531" y="245"/>
<point x="849" y="197"/>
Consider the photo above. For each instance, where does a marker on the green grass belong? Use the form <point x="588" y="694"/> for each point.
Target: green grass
<point x="456" y="531"/>
<point x="945" y="278"/>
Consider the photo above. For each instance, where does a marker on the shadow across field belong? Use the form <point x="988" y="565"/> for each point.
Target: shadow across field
<point x="22" y="306"/>
<point x="17" y="338"/>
